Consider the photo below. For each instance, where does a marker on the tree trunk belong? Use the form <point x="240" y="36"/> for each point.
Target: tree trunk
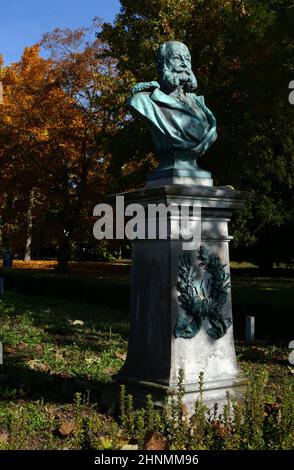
<point x="70" y="221"/>
<point x="28" y="246"/>
<point x="64" y="254"/>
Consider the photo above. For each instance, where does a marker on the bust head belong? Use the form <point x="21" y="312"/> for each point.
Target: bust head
<point x="182" y="126"/>
<point x="174" y="66"/>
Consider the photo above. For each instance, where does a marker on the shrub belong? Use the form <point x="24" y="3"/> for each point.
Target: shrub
<point x="252" y="424"/>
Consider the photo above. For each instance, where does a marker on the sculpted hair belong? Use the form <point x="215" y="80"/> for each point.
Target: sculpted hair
<point x="160" y="56"/>
<point x="162" y="52"/>
<point x="166" y="76"/>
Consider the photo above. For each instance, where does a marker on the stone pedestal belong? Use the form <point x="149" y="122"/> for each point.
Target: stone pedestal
<point x="155" y="354"/>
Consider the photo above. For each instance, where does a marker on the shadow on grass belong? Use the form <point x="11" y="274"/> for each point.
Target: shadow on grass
<point x="260" y="353"/>
<point x="256" y="273"/>
<point x="47" y="355"/>
<point x="65" y="322"/>
<point x="49" y="326"/>
<point x="25" y="385"/>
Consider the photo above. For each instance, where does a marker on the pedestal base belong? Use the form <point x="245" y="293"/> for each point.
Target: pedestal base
<point x="157" y="351"/>
<point x="214" y="391"/>
<point x="182" y="180"/>
<point x="189" y="174"/>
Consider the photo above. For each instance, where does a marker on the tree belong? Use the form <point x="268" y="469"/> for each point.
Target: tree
<point x="241" y="51"/>
<point x="52" y="127"/>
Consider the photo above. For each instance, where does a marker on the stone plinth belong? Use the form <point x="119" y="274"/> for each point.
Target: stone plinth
<point x="155" y="354"/>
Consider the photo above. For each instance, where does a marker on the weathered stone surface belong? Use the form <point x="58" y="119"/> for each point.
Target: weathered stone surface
<point x="155" y="355"/>
<point x="182" y="180"/>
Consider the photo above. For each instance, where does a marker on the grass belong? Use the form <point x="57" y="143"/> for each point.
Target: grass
<point x="49" y="342"/>
<point x="269" y="299"/>
<point x="57" y="356"/>
<point x="108" y="283"/>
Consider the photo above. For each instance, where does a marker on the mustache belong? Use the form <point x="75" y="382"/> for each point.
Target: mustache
<point x="187" y="70"/>
<point x="184" y="76"/>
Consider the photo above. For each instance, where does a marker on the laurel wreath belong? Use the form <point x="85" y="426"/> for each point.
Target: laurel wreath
<point x="202" y="299"/>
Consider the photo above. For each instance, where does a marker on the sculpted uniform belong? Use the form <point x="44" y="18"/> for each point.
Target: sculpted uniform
<point x="186" y="126"/>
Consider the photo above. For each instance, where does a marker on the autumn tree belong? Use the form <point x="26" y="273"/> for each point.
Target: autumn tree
<point x="17" y="133"/>
<point x="54" y="166"/>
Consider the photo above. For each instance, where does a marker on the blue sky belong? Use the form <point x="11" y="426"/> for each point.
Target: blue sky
<point x="23" y="22"/>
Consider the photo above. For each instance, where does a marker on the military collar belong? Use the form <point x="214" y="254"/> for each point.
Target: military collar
<point x="160" y="97"/>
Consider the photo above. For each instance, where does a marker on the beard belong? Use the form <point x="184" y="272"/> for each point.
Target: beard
<point x="185" y="78"/>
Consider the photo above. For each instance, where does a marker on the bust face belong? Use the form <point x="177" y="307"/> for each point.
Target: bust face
<point x="174" y="66"/>
<point x="178" y="58"/>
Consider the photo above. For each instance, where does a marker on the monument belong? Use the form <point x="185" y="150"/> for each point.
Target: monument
<point x="181" y="314"/>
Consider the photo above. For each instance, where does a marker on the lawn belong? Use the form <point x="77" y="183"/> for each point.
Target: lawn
<point x="269" y="298"/>
<point x="59" y="356"/>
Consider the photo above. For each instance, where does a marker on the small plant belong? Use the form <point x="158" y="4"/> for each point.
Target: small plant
<point x="149" y="413"/>
<point x="199" y="434"/>
<point x="241" y="425"/>
<point x="141" y="429"/>
<point x="122" y="405"/>
<point x="130" y="416"/>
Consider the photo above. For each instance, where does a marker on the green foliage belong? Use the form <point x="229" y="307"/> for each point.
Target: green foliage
<point x="199" y="429"/>
<point x="35" y="426"/>
<point x="241" y="425"/>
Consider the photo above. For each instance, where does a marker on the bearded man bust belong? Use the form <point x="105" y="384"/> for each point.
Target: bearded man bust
<point x="183" y="128"/>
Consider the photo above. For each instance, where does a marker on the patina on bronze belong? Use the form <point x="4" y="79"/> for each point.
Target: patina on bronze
<point x="182" y="126"/>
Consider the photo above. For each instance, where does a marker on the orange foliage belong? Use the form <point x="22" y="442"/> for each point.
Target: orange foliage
<point x="120" y="269"/>
<point x="52" y="124"/>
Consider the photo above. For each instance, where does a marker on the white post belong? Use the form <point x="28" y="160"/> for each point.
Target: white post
<point x="250" y="330"/>
<point x="291" y="355"/>
<point x="1" y="354"/>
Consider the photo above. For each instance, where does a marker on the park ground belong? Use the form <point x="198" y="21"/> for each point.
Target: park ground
<point x="60" y="354"/>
